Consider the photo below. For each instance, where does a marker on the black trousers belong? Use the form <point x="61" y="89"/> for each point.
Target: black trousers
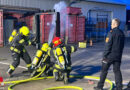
<point x="117" y="73"/>
<point x="16" y="58"/>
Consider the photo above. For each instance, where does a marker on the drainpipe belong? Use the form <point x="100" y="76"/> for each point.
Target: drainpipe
<point x="37" y="18"/>
<point x="57" y="24"/>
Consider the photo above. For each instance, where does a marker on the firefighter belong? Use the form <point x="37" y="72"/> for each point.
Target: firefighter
<point x="62" y="59"/>
<point x="17" y="42"/>
<point x="41" y="59"/>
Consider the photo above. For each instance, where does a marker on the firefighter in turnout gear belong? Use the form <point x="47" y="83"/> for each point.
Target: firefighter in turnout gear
<point x="17" y="41"/>
<point x="62" y="59"/>
<point x="41" y="59"/>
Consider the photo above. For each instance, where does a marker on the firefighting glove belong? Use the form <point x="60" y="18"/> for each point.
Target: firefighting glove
<point x="105" y="60"/>
<point x="33" y="41"/>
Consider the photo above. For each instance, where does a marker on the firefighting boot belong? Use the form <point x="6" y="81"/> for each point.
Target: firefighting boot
<point x="9" y="72"/>
<point x="128" y="86"/>
<point x="56" y="76"/>
<point x="66" y="79"/>
<point x="30" y="70"/>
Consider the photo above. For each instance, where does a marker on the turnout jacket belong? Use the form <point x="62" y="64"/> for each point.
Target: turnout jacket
<point x="19" y="42"/>
<point x="114" y="45"/>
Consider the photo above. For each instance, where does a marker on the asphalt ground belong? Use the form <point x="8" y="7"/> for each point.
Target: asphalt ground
<point x="84" y="62"/>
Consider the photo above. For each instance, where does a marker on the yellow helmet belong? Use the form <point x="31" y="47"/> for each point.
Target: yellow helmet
<point x="24" y="30"/>
<point x="45" y="47"/>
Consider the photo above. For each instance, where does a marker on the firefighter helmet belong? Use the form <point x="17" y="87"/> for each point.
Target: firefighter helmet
<point x="24" y="30"/>
<point x="45" y="47"/>
<point x="56" y="41"/>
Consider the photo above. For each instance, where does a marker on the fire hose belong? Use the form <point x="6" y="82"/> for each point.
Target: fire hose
<point x="50" y="77"/>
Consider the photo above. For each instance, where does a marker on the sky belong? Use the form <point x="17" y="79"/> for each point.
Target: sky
<point x="127" y="2"/>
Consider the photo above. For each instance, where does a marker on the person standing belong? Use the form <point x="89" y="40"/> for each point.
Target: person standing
<point x="17" y="42"/>
<point x="112" y="55"/>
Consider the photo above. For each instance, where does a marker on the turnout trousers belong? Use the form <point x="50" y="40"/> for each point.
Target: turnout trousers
<point x="16" y="60"/>
<point x="117" y="73"/>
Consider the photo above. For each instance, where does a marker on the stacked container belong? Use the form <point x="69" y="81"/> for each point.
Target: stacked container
<point x="45" y="26"/>
<point x="80" y="31"/>
<point x="28" y="20"/>
<point x="1" y="28"/>
<point x="72" y="26"/>
<point x="18" y="16"/>
<point x="9" y="23"/>
<point x="75" y="25"/>
<point x="73" y="10"/>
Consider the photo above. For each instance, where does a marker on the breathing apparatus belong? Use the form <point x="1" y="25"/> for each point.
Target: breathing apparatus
<point x="13" y="34"/>
<point x="39" y="54"/>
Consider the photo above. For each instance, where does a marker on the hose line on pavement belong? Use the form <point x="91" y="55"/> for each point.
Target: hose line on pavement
<point x="50" y="77"/>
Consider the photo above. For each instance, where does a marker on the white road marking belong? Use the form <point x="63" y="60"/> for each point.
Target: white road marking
<point x="9" y="64"/>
